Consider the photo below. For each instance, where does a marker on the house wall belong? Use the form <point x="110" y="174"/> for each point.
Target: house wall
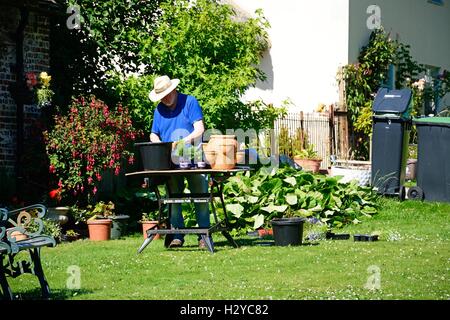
<point x="419" y="23"/>
<point x="36" y="59"/>
<point x="309" y="40"/>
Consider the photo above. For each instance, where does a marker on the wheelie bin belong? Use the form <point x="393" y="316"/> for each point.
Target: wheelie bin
<point x="390" y="139"/>
<point x="433" y="160"/>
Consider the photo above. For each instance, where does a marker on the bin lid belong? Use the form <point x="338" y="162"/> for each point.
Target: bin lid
<point x="392" y="101"/>
<point x="433" y="121"/>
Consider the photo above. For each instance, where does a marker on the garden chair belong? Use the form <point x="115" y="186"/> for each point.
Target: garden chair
<point x="21" y="230"/>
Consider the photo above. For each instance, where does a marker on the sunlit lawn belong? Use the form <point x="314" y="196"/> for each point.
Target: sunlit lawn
<point x="414" y="266"/>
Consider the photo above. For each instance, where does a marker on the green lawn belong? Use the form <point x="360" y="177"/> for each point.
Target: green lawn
<point x="413" y="266"/>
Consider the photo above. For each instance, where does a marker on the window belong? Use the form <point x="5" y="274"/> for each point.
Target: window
<point x="438" y="2"/>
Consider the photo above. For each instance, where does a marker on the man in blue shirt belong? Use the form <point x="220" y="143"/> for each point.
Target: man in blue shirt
<point x="178" y="118"/>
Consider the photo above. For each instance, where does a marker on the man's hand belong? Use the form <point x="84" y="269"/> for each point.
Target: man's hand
<point x="174" y="144"/>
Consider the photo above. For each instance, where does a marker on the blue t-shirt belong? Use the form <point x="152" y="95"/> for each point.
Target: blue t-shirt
<point x="173" y="125"/>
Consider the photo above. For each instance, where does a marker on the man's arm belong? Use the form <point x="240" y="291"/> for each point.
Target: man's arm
<point x="154" y="137"/>
<point x="199" y="128"/>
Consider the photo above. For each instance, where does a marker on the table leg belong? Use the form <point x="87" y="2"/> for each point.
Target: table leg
<point x="208" y="242"/>
<point x="146" y="243"/>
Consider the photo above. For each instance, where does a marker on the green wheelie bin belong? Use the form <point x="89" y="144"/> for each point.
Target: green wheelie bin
<point x="433" y="160"/>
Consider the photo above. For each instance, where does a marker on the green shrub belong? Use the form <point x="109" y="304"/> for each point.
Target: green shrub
<point x="255" y="199"/>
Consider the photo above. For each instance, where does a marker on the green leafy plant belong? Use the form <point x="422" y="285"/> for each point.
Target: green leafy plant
<point x="289" y="145"/>
<point x="150" y="216"/>
<point x="101" y="210"/>
<point x="308" y="153"/>
<point x="51" y="228"/>
<point x="132" y="91"/>
<point x="72" y="233"/>
<point x="216" y="57"/>
<point x="109" y="38"/>
<point x="44" y="93"/>
<point x="364" y="78"/>
<point x="90" y="139"/>
<point x="188" y="152"/>
<point x="255" y="199"/>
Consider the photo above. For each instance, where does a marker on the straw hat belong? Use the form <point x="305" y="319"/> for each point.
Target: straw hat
<point x="162" y="87"/>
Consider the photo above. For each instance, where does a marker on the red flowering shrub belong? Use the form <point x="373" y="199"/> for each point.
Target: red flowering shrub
<point x="88" y="140"/>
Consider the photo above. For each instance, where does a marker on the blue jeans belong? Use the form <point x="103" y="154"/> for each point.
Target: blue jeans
<point x="198" y="183"/>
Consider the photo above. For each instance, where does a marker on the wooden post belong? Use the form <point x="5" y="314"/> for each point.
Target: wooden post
<point x="302" y="130"/>
<point x="332" y="138"/>
<point x="341" y="112"/>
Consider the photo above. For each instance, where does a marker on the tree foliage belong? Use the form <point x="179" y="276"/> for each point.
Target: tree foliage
<point x="215" y="55"/>
<point x="364" y="78"/>
<point x="107" y="39"/>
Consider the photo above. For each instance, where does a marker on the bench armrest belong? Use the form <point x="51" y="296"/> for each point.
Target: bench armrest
<point x="26" y="220"/>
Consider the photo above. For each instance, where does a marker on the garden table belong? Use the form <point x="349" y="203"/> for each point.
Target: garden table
<point x="216" y="178"/>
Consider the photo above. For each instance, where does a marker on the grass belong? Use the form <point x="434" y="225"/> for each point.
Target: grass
<point x="414" y="266"/>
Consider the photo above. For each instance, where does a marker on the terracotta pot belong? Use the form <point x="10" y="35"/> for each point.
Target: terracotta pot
<point x="100" y="229"/>
<point x="312" y="165"/>
<point x="210" y="157"/>
<point x="240" y="157"/>
<point x="148" y="225"/>
<point x="265" y="232"/>
<point x="225" y="147"/>
<point x="223" y="162"/>
<point x="19" y="235"/>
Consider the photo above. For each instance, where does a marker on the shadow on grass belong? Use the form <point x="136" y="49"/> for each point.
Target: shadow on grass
<point x="56" y="294"/>
<point x="241" y="242"/>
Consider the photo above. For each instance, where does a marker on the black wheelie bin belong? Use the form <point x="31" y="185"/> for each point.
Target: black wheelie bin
<point x="390" y="139"/>
<point x="433" y="160"/>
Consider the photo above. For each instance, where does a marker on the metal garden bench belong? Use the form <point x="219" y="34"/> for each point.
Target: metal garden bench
<point x="21" y="230"/>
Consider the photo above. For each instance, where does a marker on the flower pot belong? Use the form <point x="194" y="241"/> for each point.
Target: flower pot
<point x="240" y="158"/>
<point x="365" y="237"/>
<point x="225" y="147"/>
<point x="58" y="214"/>
<point x="100" y="229"/>
<point x="148" y="225"/>
<point x="288" y="231"/>
<point x="265" y="232"/>
<point x="339" y="236"/>
<point x="411" y="166"/>
<point x="210" y="157"/>
<point x="119" y="225"/>
<point x="19" y="235"/>
<point x="155" y="155"/>
<point x="312" y="165"/>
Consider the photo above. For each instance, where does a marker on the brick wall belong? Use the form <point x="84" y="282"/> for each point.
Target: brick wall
<point x="36" y="59"/>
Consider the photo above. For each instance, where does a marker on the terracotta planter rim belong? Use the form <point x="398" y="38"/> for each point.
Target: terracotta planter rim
<point x="100" y="221"/>
<point x="312" y="159"/>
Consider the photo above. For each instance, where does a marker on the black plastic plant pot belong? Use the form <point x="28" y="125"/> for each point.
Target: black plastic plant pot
<point x="365" y="237"/>
<point x="338" y="236"/>
<point x="288" y="231"/>
<point x="155" y="155"/>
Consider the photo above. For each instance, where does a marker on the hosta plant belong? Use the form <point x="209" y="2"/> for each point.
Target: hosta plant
<point x="255" y="199"/>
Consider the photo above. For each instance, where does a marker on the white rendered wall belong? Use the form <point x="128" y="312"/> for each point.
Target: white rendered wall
<point x="419" y="23"/>
<point x="309" y="40"/>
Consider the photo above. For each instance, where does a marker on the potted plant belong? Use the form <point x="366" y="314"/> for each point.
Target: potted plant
<point x="83" y="143"/>
<point x="308" y="159"/>
<point x="190" y="156"/>
<point x="288" y="227"/>
<point x="411" y="163"/>
<point x="100" y="222"/>
<point x="70" y="235"/>
<point x="149" y="220"/>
